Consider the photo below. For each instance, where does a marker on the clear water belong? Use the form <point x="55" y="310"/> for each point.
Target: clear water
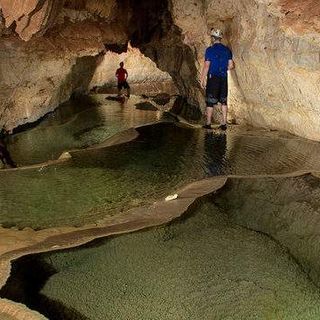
<point x="287" y="209"/>
<point x="97" y="183"/>
<point x="203" y="267"/>
<point x="77" y="125"/>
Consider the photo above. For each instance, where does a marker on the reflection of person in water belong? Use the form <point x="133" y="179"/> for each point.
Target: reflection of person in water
<point x="4" y="153"/>
<point x="215" y="146"/>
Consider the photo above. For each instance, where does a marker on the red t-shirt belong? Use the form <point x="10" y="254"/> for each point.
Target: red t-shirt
<point x="121" y="74"/>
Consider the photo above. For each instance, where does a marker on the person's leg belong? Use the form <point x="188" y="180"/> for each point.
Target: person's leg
<point x="209" y="112"/>
<point x="128" y="89"/>
<point x="223" y="100"/>
<point x="119" y="89"/>
<point x="211" y="99"/>
<point x="224" y="108"/>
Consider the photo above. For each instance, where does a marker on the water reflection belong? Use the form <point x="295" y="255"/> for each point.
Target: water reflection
<point x="76" y="126"/>
<point x="164" y="157"/>
<point x="215" y="153"/>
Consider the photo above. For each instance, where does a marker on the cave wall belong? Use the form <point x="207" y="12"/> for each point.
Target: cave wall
<point x="141" y="69"/>
<point x="40" y="67"/>
<point x="277" y="79"/>
<point x="275" y="44"/>
<point x="155" y="30"/>
<point x="276" y="49"/>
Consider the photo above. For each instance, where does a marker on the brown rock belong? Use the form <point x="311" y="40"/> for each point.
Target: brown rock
<point x="30" y="16"/>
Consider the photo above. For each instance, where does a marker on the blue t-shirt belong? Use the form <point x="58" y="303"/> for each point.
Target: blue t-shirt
<point x="219" y="56"/>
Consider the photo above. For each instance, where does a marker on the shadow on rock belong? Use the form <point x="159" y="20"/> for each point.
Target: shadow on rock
<point x="146" y="106"/>
<point x="27" y="279"/>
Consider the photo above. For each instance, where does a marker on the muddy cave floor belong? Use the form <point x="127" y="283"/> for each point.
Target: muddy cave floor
<point x="248" y="251"/>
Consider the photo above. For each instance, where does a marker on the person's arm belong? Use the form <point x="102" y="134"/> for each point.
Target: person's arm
<point x="204" y="73"/>
<point x="231" y="65"/>
<point x="230" y="62"/>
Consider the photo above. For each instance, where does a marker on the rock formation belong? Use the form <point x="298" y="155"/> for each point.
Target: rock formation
<point x="275" y="44"/>
<point x="142" y="70"/>
<point x="10" y="310"/>
<point x="276" y="50"/>
<point x="39" y="74"/>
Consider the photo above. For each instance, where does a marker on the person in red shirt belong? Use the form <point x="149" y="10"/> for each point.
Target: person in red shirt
<point x="122" y="76"/>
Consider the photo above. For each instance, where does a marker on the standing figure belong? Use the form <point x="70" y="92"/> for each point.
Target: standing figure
<point x="122" y="76"/>
<point x="214" y="77"/>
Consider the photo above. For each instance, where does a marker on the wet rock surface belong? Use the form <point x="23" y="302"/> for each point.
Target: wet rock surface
<point x="250" y="251"/>
<point x="161" y="99"/>
<point x="286" y="209"/>
<point x="79" y="123"/>
<point x="146" y="106"/>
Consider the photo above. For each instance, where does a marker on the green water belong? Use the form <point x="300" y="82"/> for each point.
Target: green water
<point x="76" y="125"/>
<point x="97" y="183"/>
<point x="286" y="209"/>
<point x="203" y="267"/>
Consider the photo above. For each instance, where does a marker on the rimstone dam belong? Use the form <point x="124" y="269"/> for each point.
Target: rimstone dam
<point x="121" y="197"/>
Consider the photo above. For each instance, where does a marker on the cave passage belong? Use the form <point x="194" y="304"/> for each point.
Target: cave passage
<point x="97" y="165"/>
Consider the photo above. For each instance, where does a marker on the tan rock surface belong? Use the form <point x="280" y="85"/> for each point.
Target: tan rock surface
<point x="30" y="16"/>
<point x="15" y="311"/>
<point x="36" y="76"/>
<point x="141" y="69"/>
<point x="275" y="45"/>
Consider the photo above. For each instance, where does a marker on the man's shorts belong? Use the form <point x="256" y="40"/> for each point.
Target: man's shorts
<point x="123" y="84"/>
<point x="216" y="90"/>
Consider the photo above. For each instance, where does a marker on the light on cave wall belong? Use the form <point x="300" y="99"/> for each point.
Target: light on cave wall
<point x="141" y="69"/>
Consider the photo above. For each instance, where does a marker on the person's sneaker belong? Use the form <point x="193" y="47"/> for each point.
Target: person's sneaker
<point x="207" y="126"/>
<point x="223" y="127"/>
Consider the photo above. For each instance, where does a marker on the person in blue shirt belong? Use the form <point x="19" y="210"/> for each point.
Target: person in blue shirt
<point x="214" y="77"/>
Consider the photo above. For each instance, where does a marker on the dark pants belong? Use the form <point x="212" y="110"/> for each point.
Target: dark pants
<point x="216" y="90"/>
<point x="123" y="84"/>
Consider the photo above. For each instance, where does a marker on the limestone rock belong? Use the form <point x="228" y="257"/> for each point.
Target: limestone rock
<point x="276" y="81"/>
<point x="162" y="99"/>
<point x="275" y="44"/>
<point x="140" y="69"/>
<point x="16" y="311"/>
<point x="38" y="75"/>
<point x="30" y="16"/>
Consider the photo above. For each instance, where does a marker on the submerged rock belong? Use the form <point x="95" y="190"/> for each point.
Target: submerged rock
<point x="64" y="156"/>
<point x="201" y="267"/>
<point x="162" y="99"/>
<point x="146" y="106"/>
<point x="171" y="197"/>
